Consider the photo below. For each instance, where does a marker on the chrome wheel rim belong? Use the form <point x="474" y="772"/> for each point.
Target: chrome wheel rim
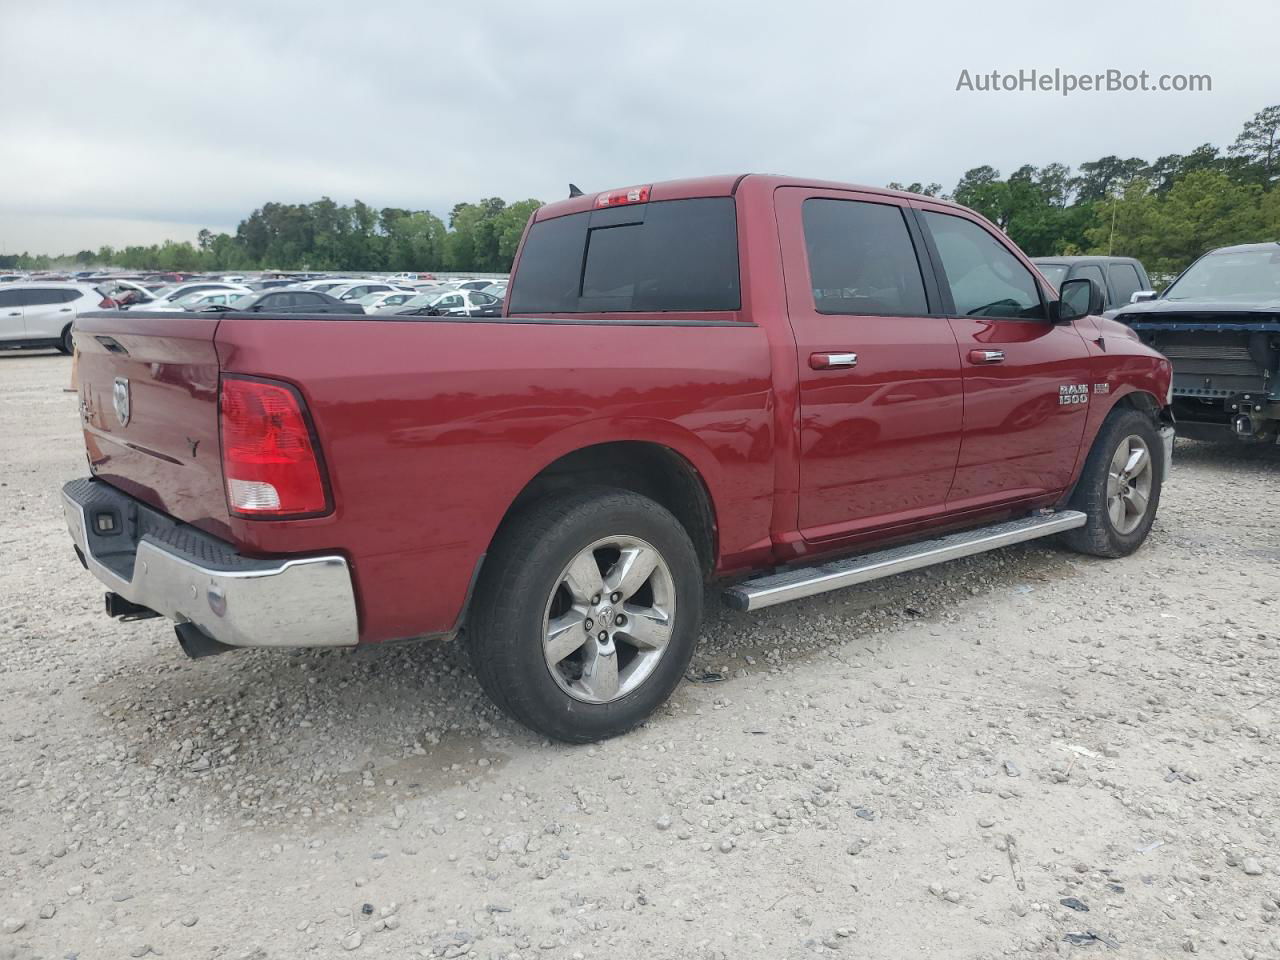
<point x="1129" y="479"/>
<point x="609" y="619"/>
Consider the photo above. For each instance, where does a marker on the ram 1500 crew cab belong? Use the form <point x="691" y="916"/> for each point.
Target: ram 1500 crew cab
<point x="782" y="385"/>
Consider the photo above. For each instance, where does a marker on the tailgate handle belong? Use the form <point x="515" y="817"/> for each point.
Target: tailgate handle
<point x="112" y="345"/>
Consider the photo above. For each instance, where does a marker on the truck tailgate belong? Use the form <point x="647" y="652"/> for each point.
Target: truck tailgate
<point x="149" y="409"/>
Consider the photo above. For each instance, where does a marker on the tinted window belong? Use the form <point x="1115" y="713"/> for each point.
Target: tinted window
<point x="1235" y="275"/>
<point x="309" y="299"/>
<point x="482" y="298"/>
<point x="1091" y="271"/>
<point x="861" y="259"/>
<point x="1124" y="277"/>
<point x="10" y="298"/>
<point x="40" y="296"/>
<point x="985" y="279"/>
<point x="278" y="300"/>
<point x="1055" y="273"/>
<point x="677" y="255"/>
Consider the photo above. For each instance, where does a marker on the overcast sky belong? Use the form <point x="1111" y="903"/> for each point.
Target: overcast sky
<point x="132" y="122"/>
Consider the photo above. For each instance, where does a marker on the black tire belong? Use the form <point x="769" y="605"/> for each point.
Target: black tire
<point x="1100" y="536"/>
<point x="521" y="577"/>
<point x="66" y="345"/>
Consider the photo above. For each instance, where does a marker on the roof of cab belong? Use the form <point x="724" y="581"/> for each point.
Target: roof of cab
<point x="725" y="185"/>
<point x="1083" y="258"/>
<point x="1246" y="247"/>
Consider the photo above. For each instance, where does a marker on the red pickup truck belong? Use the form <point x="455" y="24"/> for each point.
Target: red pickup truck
<point x="779" y="385"/>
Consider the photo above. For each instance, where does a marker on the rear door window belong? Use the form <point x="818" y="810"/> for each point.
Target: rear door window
<point x="665" y="256"/>
<point x="985" y="278"/>
<point x="1091" y="271"/>
<point x="42" y="296"/>
<point x="861" y="259"/>
<point x="1125" y="279"/>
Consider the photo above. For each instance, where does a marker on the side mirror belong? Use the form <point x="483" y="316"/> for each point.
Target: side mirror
<point x="1140" y="296"/>
<point x="1078" y="297"/>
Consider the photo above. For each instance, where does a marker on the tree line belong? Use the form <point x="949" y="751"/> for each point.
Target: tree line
<point x="324" y="235"/>
<point x="1165" y="212"/>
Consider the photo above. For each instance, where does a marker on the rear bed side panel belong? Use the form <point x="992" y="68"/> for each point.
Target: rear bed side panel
<point x="431" y="428"/>
<point x="167" y="454"/>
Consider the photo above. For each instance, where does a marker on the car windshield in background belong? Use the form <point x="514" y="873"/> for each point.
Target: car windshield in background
<point x="1055" y="273"/>
<point x="674" y="255"/>
<point x="1242" y="275"/>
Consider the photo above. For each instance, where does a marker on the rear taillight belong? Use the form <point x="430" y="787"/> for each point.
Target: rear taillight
<point x="618" y="198"/>
<point x="269" y="455"/>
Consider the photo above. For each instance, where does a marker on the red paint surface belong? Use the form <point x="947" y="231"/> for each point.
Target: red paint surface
<point x="431" y="429"/>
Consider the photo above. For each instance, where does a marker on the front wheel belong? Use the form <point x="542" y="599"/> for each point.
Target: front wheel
<point x="586" y="613"/>
<point x="1119" y="488"/>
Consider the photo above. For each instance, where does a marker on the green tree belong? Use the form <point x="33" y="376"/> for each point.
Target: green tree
<point x="1259" y="143"/>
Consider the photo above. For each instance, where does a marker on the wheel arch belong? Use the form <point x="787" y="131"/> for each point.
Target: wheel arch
<point x="1126" y="397"/>
<point x="648" y="467"/>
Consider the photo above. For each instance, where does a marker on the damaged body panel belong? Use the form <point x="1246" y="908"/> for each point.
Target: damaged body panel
<point x="1221" y="331"/>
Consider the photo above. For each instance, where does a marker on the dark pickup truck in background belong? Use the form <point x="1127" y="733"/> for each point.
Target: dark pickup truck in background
<point x="1121" y="278"/>
<point x="1219" y="324"/>
<point x="786" y="385"/>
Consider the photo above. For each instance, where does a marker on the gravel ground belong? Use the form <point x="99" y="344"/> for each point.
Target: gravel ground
<point x="992" y="758"/>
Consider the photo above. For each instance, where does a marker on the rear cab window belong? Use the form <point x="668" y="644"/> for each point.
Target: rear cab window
<point x="677" y="256"/>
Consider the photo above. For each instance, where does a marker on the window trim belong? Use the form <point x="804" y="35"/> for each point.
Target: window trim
<point x="944" y="285"/>
<point x="924" y="262"/>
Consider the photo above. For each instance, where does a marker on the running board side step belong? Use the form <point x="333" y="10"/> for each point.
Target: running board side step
<point x="795" y="583"/>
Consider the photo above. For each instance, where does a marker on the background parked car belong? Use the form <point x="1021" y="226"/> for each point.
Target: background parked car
<point x="1119" y="277"/>
<point x="498" y="289"/>
<point x="384" y="298"/>
<point x="166" y="297"/>
<point x="210" y="298"/>
<point x="1217" y="325"/>
<point x="41" y="314"/>
<point x="125" y="293"/>
<point x="325" y="285"/>
<point x="288" y="301"/>
<point x="452" y="303"/>
<point x="363" y="288"/>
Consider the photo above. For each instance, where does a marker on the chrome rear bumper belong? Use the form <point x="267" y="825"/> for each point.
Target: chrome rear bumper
<point x="190" y="577"/>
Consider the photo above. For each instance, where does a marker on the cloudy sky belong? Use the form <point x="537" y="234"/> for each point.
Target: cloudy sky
<point x="131" y="122"/>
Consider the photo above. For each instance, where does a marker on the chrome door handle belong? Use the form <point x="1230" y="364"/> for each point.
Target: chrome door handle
<point x="986" y="356"/>
<point x="830" y="361"/>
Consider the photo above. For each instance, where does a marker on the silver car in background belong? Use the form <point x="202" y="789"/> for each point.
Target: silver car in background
<point x="40" y="314"/>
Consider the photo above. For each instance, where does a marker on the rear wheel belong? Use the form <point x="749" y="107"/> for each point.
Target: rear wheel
<point x="1119" y="488"/>
<point x="65" y="343"/>
<point x="586" y="614"/>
